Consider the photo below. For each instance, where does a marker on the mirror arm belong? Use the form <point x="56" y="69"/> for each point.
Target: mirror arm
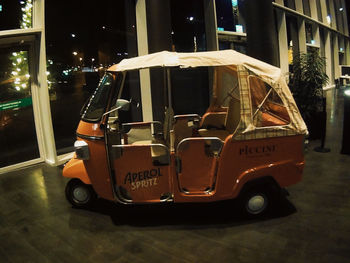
<point x="113" y="110"/>
<point x="102" y="123"/>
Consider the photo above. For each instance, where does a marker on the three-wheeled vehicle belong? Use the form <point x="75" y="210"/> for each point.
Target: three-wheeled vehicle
<point x="249" y="142"/>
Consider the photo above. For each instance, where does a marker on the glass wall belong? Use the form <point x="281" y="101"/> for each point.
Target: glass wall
<point x="188" y="26"/>
<point x="309" y="33"/>
<point x="339" y="10"/>
<point x="319" y="10"/>
<point x="336" y="11"/>
<point x="190" y="90"/>
<point x="16" y="14"/>
<point x="306" y="7"/>
<point x="292" y="39"/>
<point x="229" y="17"/>
<point x="18" y="140"/>
<point x="341" y="50"/>
<point x="88" y="38"/>
<point x="329" y="16"/>
<point x="290" y="4"/>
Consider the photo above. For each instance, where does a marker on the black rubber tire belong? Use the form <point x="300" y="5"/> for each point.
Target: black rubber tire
<point x="87" y="194"/>
<point x="256" y="201"/>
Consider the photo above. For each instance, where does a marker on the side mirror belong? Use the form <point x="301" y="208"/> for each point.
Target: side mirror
<point x="123" y="105"/>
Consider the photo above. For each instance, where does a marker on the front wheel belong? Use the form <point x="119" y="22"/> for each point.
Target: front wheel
<point x="79" y="194"/>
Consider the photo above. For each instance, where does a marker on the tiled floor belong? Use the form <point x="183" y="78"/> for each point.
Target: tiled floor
<point x="313" y="225"/>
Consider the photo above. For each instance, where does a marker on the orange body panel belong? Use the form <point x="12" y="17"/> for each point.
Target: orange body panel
<point x="76" y="169"/>
<point x="97" y="166"/>
<point x="136" y="173"/>
<point x="242" y="161"/>
<point x="90" y="129"/>
<point x="239" y="162"/>
<point x="197" y="168"/>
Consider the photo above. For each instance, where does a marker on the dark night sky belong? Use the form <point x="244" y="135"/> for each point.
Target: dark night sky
<point x="86" y="19"/>
<point x="91" y="23"/>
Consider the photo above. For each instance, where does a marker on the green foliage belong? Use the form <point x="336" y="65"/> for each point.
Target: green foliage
<point x="307" y="81"/>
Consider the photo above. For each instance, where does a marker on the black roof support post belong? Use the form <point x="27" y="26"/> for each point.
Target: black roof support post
<point x="262" y="42"/>
<point x="159" y="39"/>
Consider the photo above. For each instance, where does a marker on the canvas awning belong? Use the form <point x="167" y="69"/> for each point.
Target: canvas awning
<point x="199" y="59"/>
<point x="245" y="66"/>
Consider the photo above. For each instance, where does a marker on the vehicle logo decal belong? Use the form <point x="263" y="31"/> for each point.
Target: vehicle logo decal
<point x="143" y="179"/>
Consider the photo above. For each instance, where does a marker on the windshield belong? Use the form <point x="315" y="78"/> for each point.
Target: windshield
<point x="98" y="101"/>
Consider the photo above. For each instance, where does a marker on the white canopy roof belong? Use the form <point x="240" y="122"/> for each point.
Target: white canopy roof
<point x="272" y="75"/>
<point x="199" y="59"/>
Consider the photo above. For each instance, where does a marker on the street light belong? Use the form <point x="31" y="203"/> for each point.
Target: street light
<point x="75" y="53"/>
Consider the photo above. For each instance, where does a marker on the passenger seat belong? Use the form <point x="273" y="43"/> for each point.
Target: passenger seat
<point x="231" y="122"/>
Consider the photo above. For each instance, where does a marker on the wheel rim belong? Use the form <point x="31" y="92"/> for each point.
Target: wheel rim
<point x="81" y="195"/>
<point x="257" y="204"/>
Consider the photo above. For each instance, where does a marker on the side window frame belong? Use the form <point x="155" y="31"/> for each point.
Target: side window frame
<point x="270" y="118"/>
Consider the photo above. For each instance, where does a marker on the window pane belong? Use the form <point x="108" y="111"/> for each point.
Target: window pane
<point x="290" y="4"/>
<point x="237" y="43"/>
<point x="267" y="106"/>
<point x="190" y="90"/>
<point x="18" y="141"/>
<point x="228" y="87"/>
<point x="292" y="37"/>
<point x="329" y="17"/>
<point x="306" y="7"/>
<point x="15" y="14"/>
<point x="82" y="40"/>
<point x="98" y="101"/>
<point x="319" y="10"/>
<point x="229" y="17"/>
<point x="309" y="33"/>
<point x="188" y="26"/>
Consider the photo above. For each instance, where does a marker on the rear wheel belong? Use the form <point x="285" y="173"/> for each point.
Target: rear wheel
<point x="80" y="194"/>
<point x="256" y="201"/>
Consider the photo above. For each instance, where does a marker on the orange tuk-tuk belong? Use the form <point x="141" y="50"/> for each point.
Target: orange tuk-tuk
<point x="248" y="144"/>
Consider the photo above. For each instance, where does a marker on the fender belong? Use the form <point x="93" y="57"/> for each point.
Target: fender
<point x="75" y="168"/>
<point x="284" y="173"/>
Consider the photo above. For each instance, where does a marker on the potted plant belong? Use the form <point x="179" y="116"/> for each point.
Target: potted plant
<point x="306" y="83"/>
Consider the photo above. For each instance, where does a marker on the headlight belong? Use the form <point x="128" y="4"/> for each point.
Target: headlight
<point x="82" y="150"/>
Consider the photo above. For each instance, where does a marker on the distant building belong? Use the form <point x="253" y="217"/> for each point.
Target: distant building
<point x="301" y="25"/>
